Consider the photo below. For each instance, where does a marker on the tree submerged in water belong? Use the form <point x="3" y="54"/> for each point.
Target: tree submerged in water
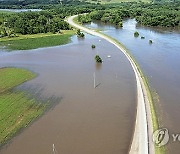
<point x="136" y="34"/>
<point x="150" y="41"/>
<point x="79" y="34"/>
<point x="120" y="24"/>
<point x="98" y="59"/>
<point x="93" y="46"/>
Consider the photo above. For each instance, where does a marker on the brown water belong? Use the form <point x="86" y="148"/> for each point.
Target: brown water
<point x="87" y="120"/>
<point x="160" y="62"/>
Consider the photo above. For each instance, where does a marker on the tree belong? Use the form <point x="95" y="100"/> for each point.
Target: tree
<point x="120" y="24"/>
<point x="93" y="46"/>
<point x="98" y="59"/>
<point x="78" y="32"/>
<point x="136" y="34"/>
<point x="82" y="35"/>
<point x="150" y="41"/>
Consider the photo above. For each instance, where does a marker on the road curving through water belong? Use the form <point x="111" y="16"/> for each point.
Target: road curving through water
<point x="142" y="138"/>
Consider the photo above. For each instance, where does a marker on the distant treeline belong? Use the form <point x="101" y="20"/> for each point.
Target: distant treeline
<point x="29" y="2"/>
<point x="18" y="4"/>
<point x="165" y="15"/>
<point x="51" y="19"/>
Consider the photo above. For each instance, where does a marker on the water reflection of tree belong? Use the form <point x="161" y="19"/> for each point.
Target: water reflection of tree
<point x="98" y="66"/>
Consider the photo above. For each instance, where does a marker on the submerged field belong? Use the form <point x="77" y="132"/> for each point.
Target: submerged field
<point x="26" y="42"/>
<point x="16" y="108"/>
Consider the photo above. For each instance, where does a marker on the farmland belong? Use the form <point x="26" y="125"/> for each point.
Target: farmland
<point x="16" y="108"/>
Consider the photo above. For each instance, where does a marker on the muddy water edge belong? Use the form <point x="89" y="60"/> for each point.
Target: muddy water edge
<point x="160" y="63"/>
<point x="87" y="119"/>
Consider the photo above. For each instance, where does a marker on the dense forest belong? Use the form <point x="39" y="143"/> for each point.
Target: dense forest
<point x="51" y="18"/>
<point x="164" y="15"/>
<point x="32" y="23"/>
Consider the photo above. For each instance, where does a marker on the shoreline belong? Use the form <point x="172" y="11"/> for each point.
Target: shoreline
<point x="144" y="125"/>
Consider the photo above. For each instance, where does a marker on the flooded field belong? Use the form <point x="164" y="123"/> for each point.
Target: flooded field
<point x="87" y="120"/>
<point x="160" y="62"/>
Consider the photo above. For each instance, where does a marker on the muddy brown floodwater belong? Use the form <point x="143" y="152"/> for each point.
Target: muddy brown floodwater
<point x="160" y="62"/>
<point x="86" y="120"/>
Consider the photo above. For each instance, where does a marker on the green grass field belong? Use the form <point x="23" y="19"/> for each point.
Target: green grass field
<point x="26" y="42"/>
<point x="11" y="77"/>
<point x="17" y="110"/>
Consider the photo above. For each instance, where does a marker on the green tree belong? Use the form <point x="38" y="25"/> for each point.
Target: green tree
<point x="98" y="59"/>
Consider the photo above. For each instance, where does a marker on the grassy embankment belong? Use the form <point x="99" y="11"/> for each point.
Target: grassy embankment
<point x="146" y="83"/>
<point x="26" y="42"/>
<point x="17" y="110"/>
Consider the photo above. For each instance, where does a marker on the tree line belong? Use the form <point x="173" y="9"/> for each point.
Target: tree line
<point x="51" y="19"/>
<point x="48" y="20"/>
<point x="32" y="23"/>
<point x="149" y="14"/>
